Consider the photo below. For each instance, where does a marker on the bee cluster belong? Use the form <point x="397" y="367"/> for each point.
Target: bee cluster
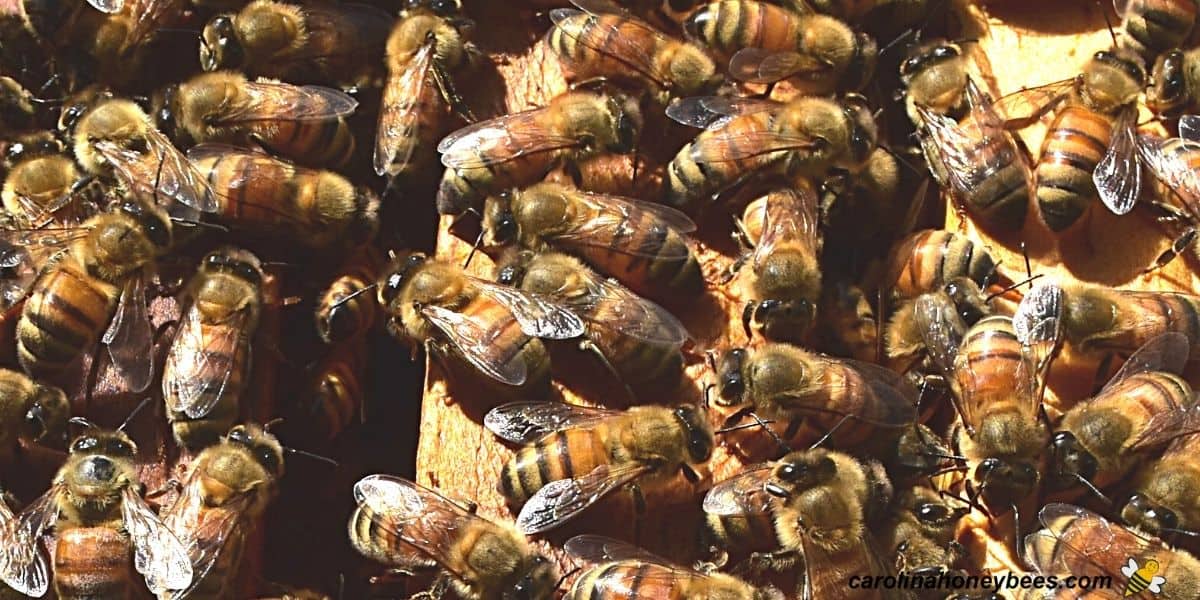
<point x="209" y="259"/>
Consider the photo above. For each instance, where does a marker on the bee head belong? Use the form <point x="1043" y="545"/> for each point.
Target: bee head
<point x="236" y="262"/>
<point x="46" y="419"/>
<point x="262" y="445"/>
<point x="1005" y="482"/>
<point x="923" y="57"/>
<point x="698" y="431"/>
<point x="731" y="384"/>
<point x="1147" y="516"/>
<point x="1070" y="461"/>
<point x="153" y="223"/>
<point x="800" y="471"/>
<point x="625" y="121"/>
<point x="968" y="299"/>
<point x="1168" y="93"/>
<point x="100" y="464"/>
<point x="220" y="47"/>
<point x="863" y="131"/>
<point x="1113" y="78"/>
<point x="393" y="282"/>
<point x="499" y="221"/>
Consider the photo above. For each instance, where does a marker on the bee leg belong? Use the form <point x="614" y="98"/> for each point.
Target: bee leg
<point x="449" y="93"/>
<point x="748" y="314"/>
<point x="733" y="269"/>
<point x="760" y="562"/>
<point x="587" y="345"/>
<point x="639" y="510"/>
<point x="1100" y="379"/>
<point x="435" y="592"/>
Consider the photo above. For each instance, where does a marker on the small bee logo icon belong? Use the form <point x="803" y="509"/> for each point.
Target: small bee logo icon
<point x="1141" y="579"/>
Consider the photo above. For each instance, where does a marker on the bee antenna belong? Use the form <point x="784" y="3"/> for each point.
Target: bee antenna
<point x="900" y="159"/>
<point x="353" y="295"/>
<point x="566" y="576"/>
<point x="83" y="422"/>
<point x="195" y="223"/>
<point x="1111" y="32"/>
<point x="1186" y="532"/>
<point x="967" y="501"/>
<point x="829" y="434"/>
<point x="324" y="459"/>
<point x="272" y="423"/>
<point x="910" y="32"/>
<point x="474" y="248"/>
<point x="1091" y="487"/>
<point x="1017" y="530"/>
<point x="745" y="426"/>
<point x="1025" y="255"/>
<point x="137" y="409"/>
<point x="1012" y="287"/>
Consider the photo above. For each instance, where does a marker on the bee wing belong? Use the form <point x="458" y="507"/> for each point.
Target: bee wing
<point x="1118" y="176"/>
<point x="601" y="549"/>
<point x="203" y="530"/>
<point x="22" y="254"/>
<point x="609" y="218"/>
<point x="616" y="308"/>
<point x="23" y="567"/>
<point x="602" y="7"/>
<point x="538" y="315"/>
<point x="1172" y="169"/>
<point x="862" y="557"/>
<point x="760" y="65"/>
<point x="200" y="363"/>
<point x="615" y="210"/>
<point x="714" y="112"/>
<point x="400" y="112"/>
<point x="500" y="140"/>
<point x="1167" y="426"/>
<point x="788" y="214"/>
<point x="1079" y="542"/>
<point x="273" y="101"/>
<point x="524" y="422"/>
<point x="725" y="146"/>
<point x="742" y="494"/>
<point x="130" y="337"/>
<point x="560" y="501"/>
<point x="1021" y="108"/>
<point x="628" y="50"/>
<point x="473" y="341"/>
<point x="107" y="6"/>
<point x="881" y="396"/>
<point x="149" y="17"/>
<point x="1038" y="319"/>
<point x="158" y="555"/>
<point x="941" y="329"/>
<point x="160" y="171"/>
<point x="1156" y="584"/>
<point x="1189" y="127"/>
<point x="1167" y="352"/>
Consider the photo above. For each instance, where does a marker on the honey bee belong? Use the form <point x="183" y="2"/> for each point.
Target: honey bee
<point x="574" y="456"/>
<point x="919" y="323"/>
<point x="44" y="186"/>
<point x="1170" y="161"/>
<point x="426" y="47"/>
<point x="1091" y="148"/>
<point x="996" y="382"/>
<point x="921" y="532"/>
<point x="812" y="394"/>
<point x="1163" y="502"/>
<point x="318" y="209"/>
<point x="113" y="47"/>
<point x="345" y="311"/>
<point x="519" y="149"/>
<point x="765" y="43"/>
<point x="337" y="392"/>
<point x="1175" y="82"/>
<point x="782" y="233"/>
<point x="92" y="282"/>
<point x="820" y="504"/>
<point x="636" y="339"/>
<point x="658" y="262"/>
<point x="336" y="44"/>
<point x="31" y="411"/>
<point x="494" y="328"/>
<point x="926" y="260"/>
<point x="605" y="41"/>
<point x="625" y="572"/>
<point x="804" y="137"/>
<point x="99" y="518"/>
<point x="229" y="486"/>
<point x="208" y="362"/>
<point x="1154" y="26"/>
<point x="400" y="523"/>
<point x="301" y="123"/>
<point x="1097" y="442"/>
<point x="934" y="74"/>
<point x="1102" y="319"/>
<point x="1078" y="542"/>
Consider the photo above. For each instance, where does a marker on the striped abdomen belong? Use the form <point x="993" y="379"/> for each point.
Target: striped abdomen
<point x="647" y="256"/>
<point x="379" y="544"/>
<point x="1074" y="145"/>
<point x="731" y="25"/>
<point x="835" y="391"/>
<point x="221" y="581"/>
<point x="634" y="578"/>
<point x="1136" y="319"/>
<point x="341" y="45"/>
<point x="508" y="342"/>
<point x="638" y="362"/>
<point x="582" y="59"/>
<point x="466" y="187"/>
<point x="991" y="355"/>
<point x="997" y="191"/>
<point x="339" y="320"/>
<point x="225" y="352"/>
<point x="63" y="317"/>
<point x="743" y="533"/>
<point x="925" y="260"/>
<point x="91" y="563"/>
<point x="560" y="455"/>
<point x="315" y="143"/>
<point x="337" y="391"/>
<point x="1154" y="26"/>
<point x="692" y="182"/>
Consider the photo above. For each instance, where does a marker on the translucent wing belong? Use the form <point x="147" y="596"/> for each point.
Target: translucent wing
<point x="1189" y="127"/>
<point x="788" y="214"/>
<point x="760" y="65"/>
<point x="724" y="145"/>
<point x="524" y="422"/>
<point x="820" y="564"/>
<point x="714" y="112"/>
<point x="271" y="101"/>
<point x="1082" y="543"/>
<point x="474" y="342"/>
<point x="400" y="112"/>
<point x="22" y="256"/>
<point x="1167" y="426"/>
<point x="149" y="17"/>
<point x="560" y="501"/>
<point x="130" y="337"/>
<point x="1169" y="165"/>
<point x="742" y="494"/>
<point x="1167" y="352"/>
<point x="612" y="306"/>
<point x="203" y="530"/>
<point x="160" y="171"/>
<point x="501" y="140"/>
<point x="941" y="329"/>
<point x="870" y="392"/>
<point x="201" y="361"/>
<point x="618" y="43"/>
<point x="609" y="218"/>
<point x="158" y="554"/>
<point x="1038" y="318"/>
<point x="601" y="549"/>
<point x="612" y="208"/>
<point x="23" y="566"/>
<point x="107" y="6"/>
<point x="1118" y="176"/>
<point x="1021" y="108"/>
<point x="537" y="314"/>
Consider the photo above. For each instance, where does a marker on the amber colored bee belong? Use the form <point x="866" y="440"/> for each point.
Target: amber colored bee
<point x="494" y="328"/>
<point x="99" y="520"/>
<point x="811" y="395"/>
<point x="1099" y="441"/>
<point x="95" y="279"/>
<point x="208" y="362"/>
<point x="1152" y="27"/>
<point x="997" y="385"/>
<point x="821" y="506"/>
<point x="405" y="525"/>
<point x="934" y="74"/>
<point x="641" y="244"/>
<point x="1102" y="319"/>
<point x="335" y="44"/>
<point x="344" y="310"/>
<point x="625" y="572"/>
<point x="516" y="150"/>
<point x="425" y="49"/>
<point x="337" y="394"/>
<point x="1163" y="501"/>
<point x="225" y="494"/>
<point x="1078" y="542"/>
<point x="781" y="231"/>
<point x="574" y="456"/>
<point x="636" y="339"/>
<point x="926" y="260"/>
<point x="803" y="138"/>
<point x="317" y="209"/>
<point x="921" y="532"/>
<point x="301" y="123"/>
<point x="44" y="186"/>
<point x="1090" y="147"/>
<point x="764" y="43"/>
<point x="30" y="411"/>
<point x="605" y="41"/>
